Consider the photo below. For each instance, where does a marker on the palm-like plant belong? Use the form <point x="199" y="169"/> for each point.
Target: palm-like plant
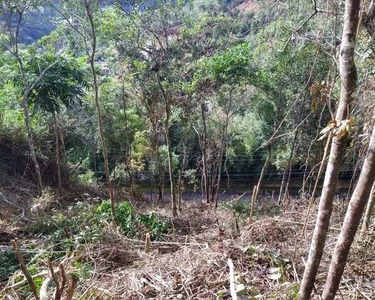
<point x="62" y="85"/>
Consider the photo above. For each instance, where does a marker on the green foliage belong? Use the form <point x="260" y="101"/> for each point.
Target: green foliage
<point x="163" y="152"/>
<point x="154" y="225"/>
<point x="239" y="206"/>
<point x="63" y="81"/>
<point x="8" y="264"/>
<point x="231" y="66"/>
<point x="87" y="178"/>
<point x="78" y="225"/>
<point x="130" y="223"/>
<point x="126" y="218"/>
<point x="104" y="209"/>
<point x="82" y="270"/>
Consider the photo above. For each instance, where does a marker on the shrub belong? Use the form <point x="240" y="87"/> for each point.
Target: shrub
<point x="155" y="225"/>
<point x="124" y="215"/>
<point x="129" y="222"/>
<point x="8" y="265"/>
<point x="240" y="207"/>
<point x="87" y="178"/>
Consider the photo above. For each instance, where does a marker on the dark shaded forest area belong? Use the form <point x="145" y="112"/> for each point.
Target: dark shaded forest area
<point x="202" y="149"/>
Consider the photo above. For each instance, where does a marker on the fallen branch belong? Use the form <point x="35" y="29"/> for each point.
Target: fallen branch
<point x="24" y="269"/>
<point x="232" y="280"/>
<point x="44" y="289"/>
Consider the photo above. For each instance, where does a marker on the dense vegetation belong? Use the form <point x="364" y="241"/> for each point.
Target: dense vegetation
<point x="112" y="113"/>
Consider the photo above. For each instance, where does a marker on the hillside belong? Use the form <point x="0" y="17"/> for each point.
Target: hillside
<point x="205" y="149"/>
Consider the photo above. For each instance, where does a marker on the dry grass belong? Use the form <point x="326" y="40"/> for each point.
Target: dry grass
<point x="191" y="263"/>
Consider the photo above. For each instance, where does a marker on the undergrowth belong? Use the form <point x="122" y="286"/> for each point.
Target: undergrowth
<point x="131" y="224"/>
<point x="85" y="223"/>
<point x="242" y="208"/>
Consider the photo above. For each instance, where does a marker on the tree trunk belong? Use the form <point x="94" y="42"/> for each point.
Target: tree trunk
<point x="312" y="198"/>
<point x="167" y="107"/>
<point x="160" y="170"/>
<point x="357" y="166"/>
<point x="286" y="174"/>
<point x="158" y="167"/>
<point x="98" y="107"/>
<point x="225" y="166"/>
<point x="220" y="162"/>
<point x="286" y="192"/>
<point x="351" y="222"/>
<point x="181" y="175"/>
<point x="57" y="145"/>
<point x="305" y="177"/>
<point x="204" y="154"/>
<point x="348" y="77"/>
<point x="128" y="157"/>
<point x="170" y="159"/>
<point x="31" y="141"/>
<point x="261" y="177"/>
<point x="25" y="99"/>
<point x="369" y="210"/>
<point x="63" y="156"/>
<point x="127" y="154"/>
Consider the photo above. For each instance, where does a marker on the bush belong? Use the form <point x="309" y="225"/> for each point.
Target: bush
<point x="126" y="219"/>
<point x="124" y="215"/>
<point x="155" y="226"/>
<point x="8" y="265"/>
<point x="129" y="222"/>
<point x="79" y="224"/>
<point x="240" y="207"/>
<point x="87" y="179"/>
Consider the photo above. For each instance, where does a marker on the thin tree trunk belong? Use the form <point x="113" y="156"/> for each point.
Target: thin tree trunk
<point x="261" y="177"/>
<point x="348" y="76"/>
<point x="25" y="98"/>
<point x="170" y="159"/>
<point x="181" y="175"/>
<point x="351" y="222"/>
<point x="286" y="192"/>
<point x="57" y="145"/>
<point x="159" y="169"/>
<point x="158" y="166"/>
<point x="309" y="150"/>
<point x="179" y="190"/>
<point x="127" y="154"/>
<point x="220" y="163"/>
<point x="355" y="171"/>
<point x="63" y="156"/>
<point x="312" y="198"/>
<point x="287" y="170"/>
<point x="98" y="107"/>
<point x="31" y="141"/>
<point x="167" y="107"/>
<point x="225" y="166"/>
<point x="281" y="192"/>
<point x="204" y="154"/>
<point x="369" y="210"/>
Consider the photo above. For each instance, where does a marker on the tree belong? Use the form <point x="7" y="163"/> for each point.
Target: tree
<point x="351" y="222"/>
<point x="11" y="10"/>
<point x="63" y="83"/>
<point x="92" y="58"/>
<point x="369" y="210"/>
<point x="86" y="30"/>
<point x="348" y="76"/>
